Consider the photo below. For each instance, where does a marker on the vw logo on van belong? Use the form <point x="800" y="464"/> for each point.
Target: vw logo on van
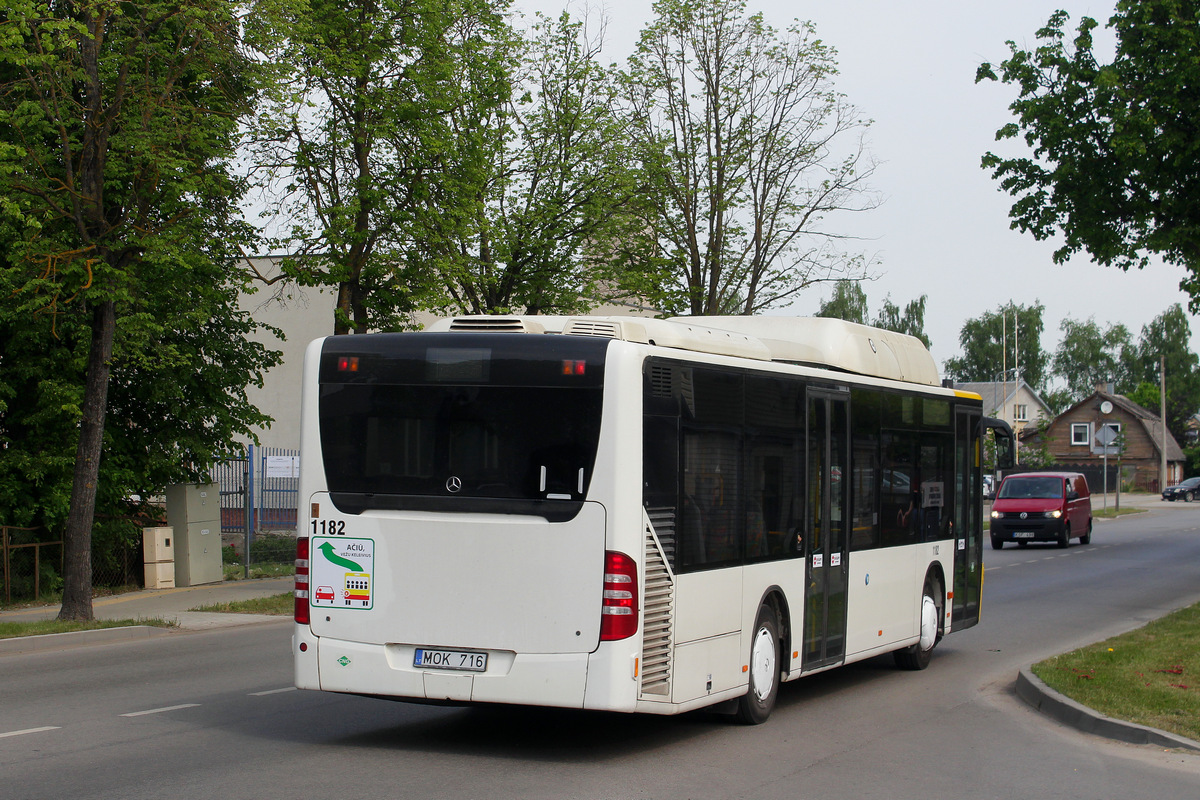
<point x="453" y="484"/>
<point x="1024" y="514"/>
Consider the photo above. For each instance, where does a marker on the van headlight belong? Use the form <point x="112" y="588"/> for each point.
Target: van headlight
<point x="1055" y="514"/>
<point x="996" y="515"/>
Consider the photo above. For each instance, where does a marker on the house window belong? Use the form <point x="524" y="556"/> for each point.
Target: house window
<point x="1080" y="434"/>
<point x="1021" y="412"/>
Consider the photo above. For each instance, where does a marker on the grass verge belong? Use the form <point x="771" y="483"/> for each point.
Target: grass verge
<point x="279" y="604"/>
<point x="237" y="572"/>
<point x="1150" y="676"/>
<point x="13" y="630"/>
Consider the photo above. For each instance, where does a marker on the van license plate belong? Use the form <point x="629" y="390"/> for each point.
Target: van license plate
<point x="1023" y="534"/>
<point x="426" y="658"/>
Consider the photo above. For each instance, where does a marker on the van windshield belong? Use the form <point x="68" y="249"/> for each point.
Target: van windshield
<point x="1032" y="488"/>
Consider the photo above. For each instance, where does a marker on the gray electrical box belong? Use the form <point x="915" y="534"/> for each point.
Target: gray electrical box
<point x="194" y="512"/>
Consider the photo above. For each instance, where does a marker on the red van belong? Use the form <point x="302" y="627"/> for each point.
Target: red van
<point x="1042" y="507"/>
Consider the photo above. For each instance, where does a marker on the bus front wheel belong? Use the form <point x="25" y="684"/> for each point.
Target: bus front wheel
<point x="756" y="705"/>
<point x="918" y="655"/>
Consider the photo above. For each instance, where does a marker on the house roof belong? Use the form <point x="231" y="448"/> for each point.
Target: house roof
<point x="1150" y="421"/>
<point x="994" y="396"/>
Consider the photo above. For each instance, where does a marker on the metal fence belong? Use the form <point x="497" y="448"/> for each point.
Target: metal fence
<point x="31" y="565"/>
<point x="259" y="490"/>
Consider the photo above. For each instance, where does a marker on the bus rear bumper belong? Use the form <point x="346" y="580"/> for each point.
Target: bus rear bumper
<point x="335" y="665"/>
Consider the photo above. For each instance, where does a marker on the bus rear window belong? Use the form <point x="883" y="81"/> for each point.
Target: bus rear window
<point x="463" y="428"/>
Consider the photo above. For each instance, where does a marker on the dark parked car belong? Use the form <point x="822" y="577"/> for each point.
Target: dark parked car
<point x="1185" y="490"/>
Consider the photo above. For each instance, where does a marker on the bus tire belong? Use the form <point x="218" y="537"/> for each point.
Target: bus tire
<point x="756" y="705"/>
<point x="917" y="656"/>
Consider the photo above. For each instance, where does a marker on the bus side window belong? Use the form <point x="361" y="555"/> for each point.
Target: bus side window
<point x="713" y="516"/>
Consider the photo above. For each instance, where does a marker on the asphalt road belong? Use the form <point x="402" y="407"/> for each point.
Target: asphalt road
<point x="210" y="715"/>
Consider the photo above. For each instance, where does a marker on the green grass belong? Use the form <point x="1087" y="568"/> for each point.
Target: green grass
<point x="12" y="630"/>
<point x="1111" y="512"/>
<point x="280" y="604"/>
<point x="236" y="572"/>
<point x="1150" y="676"/>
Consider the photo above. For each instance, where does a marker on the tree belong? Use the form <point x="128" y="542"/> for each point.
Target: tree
<point x="548" y="227"/>
<point x="350" y="149"/>
<point x="1088" y="355"/>
<point x="1116" y="160"/>
<point x="849" y="302"/>
<point x="736" y="128"/>
<point x="911" y="320"/>
<point x="118" y="121"/>
<point x="1007" y="340"/>
<point x="1168" y="337"/>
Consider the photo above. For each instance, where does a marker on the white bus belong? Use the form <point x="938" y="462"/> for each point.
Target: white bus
<point x="627" y="514"/>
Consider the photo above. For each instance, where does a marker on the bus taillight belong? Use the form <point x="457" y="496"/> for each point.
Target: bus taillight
<point x="301" y="587"/>
<point x="619" y="618"/>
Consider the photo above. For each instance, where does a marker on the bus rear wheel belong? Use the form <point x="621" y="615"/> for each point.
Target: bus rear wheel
<point x="756" y="705"/>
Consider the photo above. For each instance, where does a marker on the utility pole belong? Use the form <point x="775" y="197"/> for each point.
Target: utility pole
<point x="1162" y="404"/>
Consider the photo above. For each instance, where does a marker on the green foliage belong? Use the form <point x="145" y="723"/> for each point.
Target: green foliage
<point x="1009" y="338"/>
<point x="910" y="320"/>
<point x="119" y="276"/>
<point x="547" y="226"/>
<point x="1146" y="395"/>
<point x="389" y="118"/>
<point x="272" y="549"/>
<point x="1115" y="167"/>
<point x="1192" y="453"/>
<point x="1037" y="455"/>
<point x="737" y="129"/>
<point x="1088" y="356"/>
<point x="849" y="302"/>
<point x="1168" y="338"/>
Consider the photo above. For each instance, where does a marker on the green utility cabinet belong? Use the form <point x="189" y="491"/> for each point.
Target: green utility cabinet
<point x="194" y="512"/>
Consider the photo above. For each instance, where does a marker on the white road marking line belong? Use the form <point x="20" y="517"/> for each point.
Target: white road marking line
<point x="272" y="691"/>
<point x="30" y="730"/>
<point x="159" y="710"/>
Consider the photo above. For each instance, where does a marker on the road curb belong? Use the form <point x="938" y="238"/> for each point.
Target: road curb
<point x="1065" y="710"/>
<point x="64" y="641"/>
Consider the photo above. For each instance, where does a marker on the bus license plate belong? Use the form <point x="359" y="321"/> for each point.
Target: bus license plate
<point x="426" y="658"/>
<point x="1023" y="534"/>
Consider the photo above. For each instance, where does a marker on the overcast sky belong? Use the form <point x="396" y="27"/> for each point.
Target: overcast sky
<point x="943" y="229"/>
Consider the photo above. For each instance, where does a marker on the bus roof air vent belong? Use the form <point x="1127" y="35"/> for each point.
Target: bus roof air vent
<point x="678" y="334"/>
<point x="586" y="326"/>
<point x="491" y="324"/>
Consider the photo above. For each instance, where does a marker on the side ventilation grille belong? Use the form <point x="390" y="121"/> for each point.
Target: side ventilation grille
<point x="658" y="609"/>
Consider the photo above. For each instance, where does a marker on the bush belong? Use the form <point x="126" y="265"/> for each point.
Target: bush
<point x="269" y="548"/>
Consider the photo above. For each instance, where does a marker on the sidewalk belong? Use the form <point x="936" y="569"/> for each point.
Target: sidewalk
<point x="167" y="604"/>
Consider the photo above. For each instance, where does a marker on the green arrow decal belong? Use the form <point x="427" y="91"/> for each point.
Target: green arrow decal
<point x="327" y="550"/>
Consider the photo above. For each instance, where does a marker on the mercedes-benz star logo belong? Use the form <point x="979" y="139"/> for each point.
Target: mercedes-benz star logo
<point x="453" y="484"/>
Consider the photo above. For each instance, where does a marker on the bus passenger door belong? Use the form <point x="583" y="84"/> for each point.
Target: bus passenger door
<point x="968" y="521"/>
<point x="826" y="539"/>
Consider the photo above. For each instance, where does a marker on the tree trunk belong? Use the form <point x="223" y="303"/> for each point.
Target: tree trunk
<point x="77" y="539"/>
